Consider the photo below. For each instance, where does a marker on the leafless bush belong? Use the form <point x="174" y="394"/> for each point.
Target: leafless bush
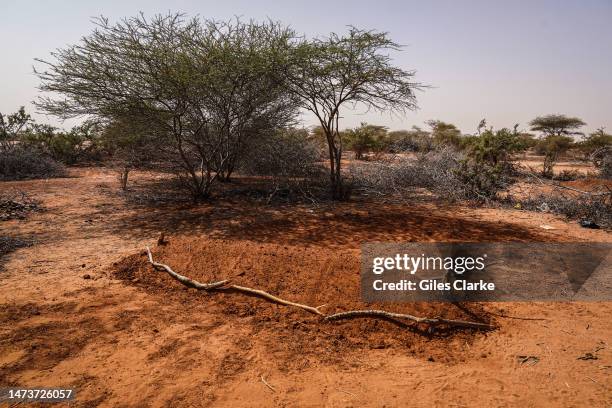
<point x="288" y="163"/>
<point x="436" y="171"/>
<point x="17" y="163"/>
<point x="16" y="204"/>
<point x="596" y="208"/>
<point x="602" y="159"/>
<point x="446" y="172"/>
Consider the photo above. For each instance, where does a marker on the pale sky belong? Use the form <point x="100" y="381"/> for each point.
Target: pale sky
<point x="506" y="61"/>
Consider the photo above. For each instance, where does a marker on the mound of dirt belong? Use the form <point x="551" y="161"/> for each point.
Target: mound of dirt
<point x="310" y="275"/>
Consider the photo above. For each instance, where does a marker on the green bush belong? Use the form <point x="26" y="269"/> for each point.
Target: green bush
<point x="552" y="146"/>
<point x="488" y="166"/>
<point x="445" y="134"/>
<point x="365" y="138"/>
<point x="81" y="143"/>
<point x="415" y="140"/>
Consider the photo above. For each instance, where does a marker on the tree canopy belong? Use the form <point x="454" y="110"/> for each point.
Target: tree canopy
<point x="201" y="86"/>
<point x="558" y="125"/>
<point x="353" y="69"/>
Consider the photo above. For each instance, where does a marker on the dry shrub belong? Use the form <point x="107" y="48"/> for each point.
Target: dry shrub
<point x="438" y="171"/>
<point x="596" y="208"/>
<point x="447" y="172"/>
<point x="568" y="175"/>
<point x="288" y="163"/>
<point x="602" y="159"/>
<point x="16" y="205"/>
<point x="19" y="163"/>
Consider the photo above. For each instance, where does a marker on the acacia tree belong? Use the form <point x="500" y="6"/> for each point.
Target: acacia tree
<point x="444" y="134"/>
<point x="198" y="87"/>
<point x="328" y="74"/>
<point x="558" y="131"/>
<point x="557" y="125"/>
<point x="246" y="87"/>
<point x="365" y="138"/>
<point x="11" y="125"/>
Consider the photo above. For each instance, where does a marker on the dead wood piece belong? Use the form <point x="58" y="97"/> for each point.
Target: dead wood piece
<point x="221" y="285"/>
<point x="436" y="321"/>
<point x="273" y="298"/>
<point x="183" y="279"/>
<point x="218" y="285"/>
<point x="267" y="385"/>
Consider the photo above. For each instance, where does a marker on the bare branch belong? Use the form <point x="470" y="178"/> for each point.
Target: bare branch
<point x="183" y="279"/>
<point x="436" y="321"/>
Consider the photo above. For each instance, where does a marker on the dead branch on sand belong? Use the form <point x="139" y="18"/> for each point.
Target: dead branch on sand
<point x="435" y="321"/>
<point x="222" y="285"/>
<point x="273" y="298"/>
<point x="266" y="384"/>
<point x="183" y="279"/>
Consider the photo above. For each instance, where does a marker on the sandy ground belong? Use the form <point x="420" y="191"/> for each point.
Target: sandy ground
<point x="128" y="341"/>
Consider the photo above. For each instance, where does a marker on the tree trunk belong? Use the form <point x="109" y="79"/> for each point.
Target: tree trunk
<point x="123" y="177"/>
<point x="337" y="185"/>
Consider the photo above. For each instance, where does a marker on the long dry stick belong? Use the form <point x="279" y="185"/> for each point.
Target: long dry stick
<point x="183" y="279"/>
<point x="221" y="285"/>
<point x="218" y="286"/>
<point x="435" y="321"/>
<point x="273" y="298"/>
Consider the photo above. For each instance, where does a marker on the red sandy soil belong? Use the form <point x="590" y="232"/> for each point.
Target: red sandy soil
<point x="130" y="336"/>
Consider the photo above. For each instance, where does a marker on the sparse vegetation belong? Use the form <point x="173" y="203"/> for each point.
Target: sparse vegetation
<point x="594" y="208"/>
<point x="230" y="185"/>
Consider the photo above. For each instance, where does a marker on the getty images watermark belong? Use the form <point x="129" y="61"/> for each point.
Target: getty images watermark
<point x="394" y="272"/>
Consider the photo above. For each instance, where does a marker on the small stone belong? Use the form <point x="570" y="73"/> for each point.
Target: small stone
<point x="87" y="276"/>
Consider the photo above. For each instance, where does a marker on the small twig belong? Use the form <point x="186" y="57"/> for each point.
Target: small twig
<point x="346" y="392"/>
<point x="591" y="379"/>
<point x="267" y="385"/>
